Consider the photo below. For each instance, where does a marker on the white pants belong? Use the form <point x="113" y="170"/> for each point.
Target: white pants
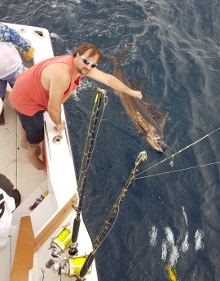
<point x="7" y="206"/>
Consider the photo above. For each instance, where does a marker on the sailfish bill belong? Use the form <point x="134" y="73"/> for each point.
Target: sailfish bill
<point x="147" y="118"/>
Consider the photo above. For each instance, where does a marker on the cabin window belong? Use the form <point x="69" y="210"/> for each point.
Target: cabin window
<point x="38" y="32"/>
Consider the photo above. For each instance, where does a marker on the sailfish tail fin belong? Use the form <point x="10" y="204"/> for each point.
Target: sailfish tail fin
<point x="104" y="57"/>
<point x="120" y="55"/>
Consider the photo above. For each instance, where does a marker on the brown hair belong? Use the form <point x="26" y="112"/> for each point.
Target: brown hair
<point x="85" y="47"/>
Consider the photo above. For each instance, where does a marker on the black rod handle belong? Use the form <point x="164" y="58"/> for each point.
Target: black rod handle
<point x="76" y="225"/>
<point x="87" y="265"/>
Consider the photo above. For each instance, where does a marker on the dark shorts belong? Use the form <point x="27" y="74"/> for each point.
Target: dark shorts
<point x="33" y="126"/>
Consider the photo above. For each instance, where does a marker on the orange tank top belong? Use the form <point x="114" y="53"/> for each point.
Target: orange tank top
<point x="29" y="96"/>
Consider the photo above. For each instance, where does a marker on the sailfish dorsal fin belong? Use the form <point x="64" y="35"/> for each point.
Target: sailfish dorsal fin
<point x="150" y="111"/>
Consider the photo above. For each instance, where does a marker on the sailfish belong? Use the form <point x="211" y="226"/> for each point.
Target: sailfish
<point x="147" y="118"/>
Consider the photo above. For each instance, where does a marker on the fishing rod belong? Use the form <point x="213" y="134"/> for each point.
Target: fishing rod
<point x="76" y="223"/>
<point x="101" y="94"/>
<point x="79" y="266"/>
<point x="87" y="264"/>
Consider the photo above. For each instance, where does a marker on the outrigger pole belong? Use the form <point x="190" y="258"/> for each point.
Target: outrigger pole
<point x="73" y="245"/>
<point x="86" y="266"/>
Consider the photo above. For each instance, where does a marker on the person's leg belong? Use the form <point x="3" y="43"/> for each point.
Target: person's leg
<point x="24" y="142"/>
<point x="33" y="156"/>
<point x="32" y="135"/>
<point x="11" y="78"/>
<point x="2" y="118"/>
<point x="1" y="105"/>
<point x="3" y="85"/>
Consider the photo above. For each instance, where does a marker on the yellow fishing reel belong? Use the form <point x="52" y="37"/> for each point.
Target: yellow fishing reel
<point x="68" y="267"/>
<point x="62" y="240"/>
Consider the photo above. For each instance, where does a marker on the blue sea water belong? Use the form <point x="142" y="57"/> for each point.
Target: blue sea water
<point x="167" y="218"/>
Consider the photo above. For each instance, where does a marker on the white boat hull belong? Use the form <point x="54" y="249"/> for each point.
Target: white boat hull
<point x="60" y="178"/>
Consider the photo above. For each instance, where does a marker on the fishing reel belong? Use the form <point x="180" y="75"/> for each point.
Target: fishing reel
<point x="61" y="242"/>
<point x="68" y="267"/>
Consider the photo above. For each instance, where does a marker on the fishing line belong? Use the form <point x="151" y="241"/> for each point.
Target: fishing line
<point x="98" y="127"/>
<point x="76" y="223"/>
<point x="70" y="220"/>
<point x="103" y="189"/>
<point x="107" y="234"/>
<point x="104" y="105"/>
<point x="90" y="122"/>
<point x="115" y="209"/>
<point x="113" y="214"/>
<point x="188" y="146"/>
<point x="175" y="171"/>
<point x="29" y="243"/>
<point x="116" y="203"/>
<point x="105" y="101"/>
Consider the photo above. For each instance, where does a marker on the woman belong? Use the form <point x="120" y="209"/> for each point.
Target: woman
<point x="11" y="64"/>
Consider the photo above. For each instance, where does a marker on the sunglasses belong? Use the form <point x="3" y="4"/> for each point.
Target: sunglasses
<point x="87" y="62"/>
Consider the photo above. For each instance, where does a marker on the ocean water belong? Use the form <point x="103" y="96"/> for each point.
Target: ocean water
<point x="168" y="226"/>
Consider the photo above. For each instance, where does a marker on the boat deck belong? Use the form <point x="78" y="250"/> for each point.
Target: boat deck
<point x="24" y="176"/>
<point x="54" y="211"/>
<point x="16" y="167"/>
<point x="14" y="163"/>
